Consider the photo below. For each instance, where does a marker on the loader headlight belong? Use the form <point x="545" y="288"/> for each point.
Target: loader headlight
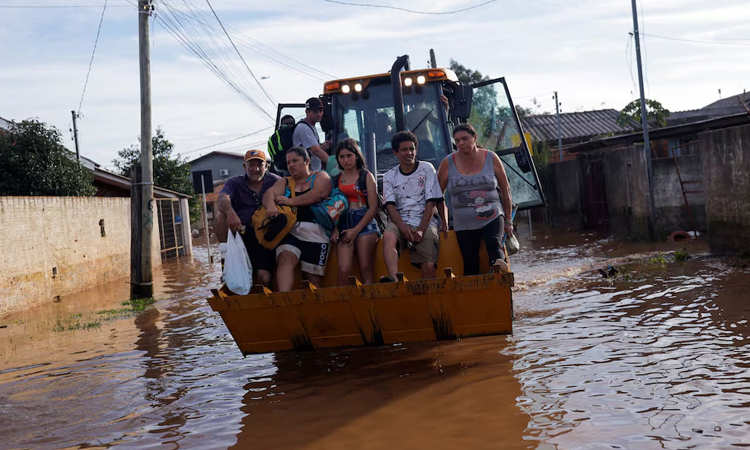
<point x="408" y="82"/>
<point x="345" y="89"/>
<point x="421" y="79"/>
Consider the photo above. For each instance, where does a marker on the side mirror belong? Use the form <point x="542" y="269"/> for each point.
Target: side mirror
<point x="462" y="101"/>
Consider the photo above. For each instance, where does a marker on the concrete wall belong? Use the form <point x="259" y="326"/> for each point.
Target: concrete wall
<point x="562" y="185"/>
<point x="726" y="176"/>
<point x="214" y="163"/>
<point x="52" y="246"/>
<point x="628" y="201"/>
<point x="671" y="213"/>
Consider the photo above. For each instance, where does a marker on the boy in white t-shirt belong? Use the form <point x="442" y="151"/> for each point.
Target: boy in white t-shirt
<point x="411" y="193"/>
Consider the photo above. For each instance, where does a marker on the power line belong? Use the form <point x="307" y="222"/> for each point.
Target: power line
<point x="367" y="5"/>
<point x="188" y="28"/>
<point x="91" y="62"/>
<point x="703" y="41"/>
<point x="227" y="141"/>
<point x="57" y="6"/>
<point x="273" y="103"/>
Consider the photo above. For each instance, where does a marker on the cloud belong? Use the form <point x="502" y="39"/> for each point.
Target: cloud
<point x="575" y="47"/>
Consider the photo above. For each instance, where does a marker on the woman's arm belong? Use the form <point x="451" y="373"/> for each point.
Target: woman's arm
<point x="502" y="182"/>
<point x="269" y="198"/>
<point x="372" y="204"/>
<point x="443" y="173"/>
<point x="321" y="189"/>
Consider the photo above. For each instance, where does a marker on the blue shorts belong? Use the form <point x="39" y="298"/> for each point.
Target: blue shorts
<point x="352" y="217"/>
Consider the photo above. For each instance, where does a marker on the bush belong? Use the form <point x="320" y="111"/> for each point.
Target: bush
<point x="33" y="161"/>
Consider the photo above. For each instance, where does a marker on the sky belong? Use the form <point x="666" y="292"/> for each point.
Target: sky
<point x="582" y="49"/>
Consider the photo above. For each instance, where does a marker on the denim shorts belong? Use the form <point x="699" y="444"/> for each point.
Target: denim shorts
<point x="353" y="216"/>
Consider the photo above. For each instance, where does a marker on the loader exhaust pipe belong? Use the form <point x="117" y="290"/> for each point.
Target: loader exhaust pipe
<point x="402" y="63"/>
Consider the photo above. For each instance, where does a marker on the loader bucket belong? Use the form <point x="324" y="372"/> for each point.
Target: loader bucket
<point x="449" y="307"/>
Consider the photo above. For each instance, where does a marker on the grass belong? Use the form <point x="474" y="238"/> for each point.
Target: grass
<point x="133" y="306"/>
<point x="681" y="255"/>
<point x="79" y="322"/>
<point x="658" y="260"/>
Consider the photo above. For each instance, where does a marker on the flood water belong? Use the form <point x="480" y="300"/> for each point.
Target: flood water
<point x="656" y="358"/>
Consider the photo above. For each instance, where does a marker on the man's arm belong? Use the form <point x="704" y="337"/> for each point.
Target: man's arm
<point x="307" y="138"/>
<point x="225" y="206"/>
<point x="395" y="217"/>
<point x="429" y="211"/>
<point x="318" y="151"/>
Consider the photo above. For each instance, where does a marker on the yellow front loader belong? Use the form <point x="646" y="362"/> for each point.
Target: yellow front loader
<point x="410" y="309"/>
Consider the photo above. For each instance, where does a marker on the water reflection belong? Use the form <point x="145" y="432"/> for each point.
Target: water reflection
<point x="655" y="359"/>
<point x="656" y="363"/>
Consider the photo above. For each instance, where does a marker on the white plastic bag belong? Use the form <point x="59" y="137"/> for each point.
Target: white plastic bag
<point x="238" y="272"/>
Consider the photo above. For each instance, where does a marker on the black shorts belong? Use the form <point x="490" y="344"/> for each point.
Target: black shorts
<point x="312" y="256"/>
<point x="260" y="257"/>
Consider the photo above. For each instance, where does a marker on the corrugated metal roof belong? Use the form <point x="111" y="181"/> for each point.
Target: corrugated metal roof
<point x="733" y="101"/>
<point x="577" y="126"/>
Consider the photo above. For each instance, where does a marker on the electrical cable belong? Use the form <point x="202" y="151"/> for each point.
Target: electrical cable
<point x="93" y="53"/>
<point x="191" y="31"/>
<point x="704" y="41"/>
<point x="273" y="103"/>
<point x="367" y="5"/>
<point x="227" y="141"/>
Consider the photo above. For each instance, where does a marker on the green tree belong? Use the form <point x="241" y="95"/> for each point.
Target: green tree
<point x="483" y="101"/>
<point x="33" y="161"/>
<point x="541" y="155"/>
<point x="170" y="172"/>
<point x="656" y="113"/>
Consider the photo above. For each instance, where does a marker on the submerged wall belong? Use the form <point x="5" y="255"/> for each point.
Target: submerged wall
<point x="726" y="176"/>
<point x="671" y="212"/>
<point x="51" y="246"/>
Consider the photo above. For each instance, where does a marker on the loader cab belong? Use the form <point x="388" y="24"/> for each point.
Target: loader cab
<point x="363" y="108"/>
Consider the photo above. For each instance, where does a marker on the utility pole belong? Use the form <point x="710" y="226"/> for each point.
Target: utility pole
<point x="644" y="122"/>
<point x="559" y="127"/>
<point x="142" y="191"/>
<point x="75" y="136"/>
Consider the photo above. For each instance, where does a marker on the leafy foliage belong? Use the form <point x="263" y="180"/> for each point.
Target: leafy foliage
<point x="33" y="161"/>
<point x="541" y="155"/>
<point x="170" y="172"/>
<point x="656" y="113"/>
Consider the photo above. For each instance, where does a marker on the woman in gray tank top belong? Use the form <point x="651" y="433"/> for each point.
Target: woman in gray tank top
<point x="480" y="198"/>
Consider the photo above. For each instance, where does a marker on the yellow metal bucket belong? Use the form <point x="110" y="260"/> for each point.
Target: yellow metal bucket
<point x="449" y="307"/>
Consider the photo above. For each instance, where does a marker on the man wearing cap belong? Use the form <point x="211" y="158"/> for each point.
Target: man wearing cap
<point x="238" y="200"/>
<point x="306" y="136"/>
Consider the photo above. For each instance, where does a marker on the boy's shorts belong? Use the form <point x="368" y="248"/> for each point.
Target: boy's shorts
<point x="423" y="251"/>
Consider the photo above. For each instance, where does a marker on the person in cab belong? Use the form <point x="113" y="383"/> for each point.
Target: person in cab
<point x="307" y="245"/>
<point x="412" y="194"/>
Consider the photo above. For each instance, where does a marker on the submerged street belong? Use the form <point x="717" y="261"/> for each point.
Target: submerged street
<point x="656" y="357"/>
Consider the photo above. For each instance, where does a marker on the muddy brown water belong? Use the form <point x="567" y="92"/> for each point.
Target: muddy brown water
<point x="657" y="358"/>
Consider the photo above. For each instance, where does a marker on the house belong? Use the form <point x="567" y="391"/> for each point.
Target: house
<point x="575" y="128"/>
<point x="222" y="165"/>
<point x="734" y="104"/>
<point x="5" y="124"/>
<point x="698" y="187"/>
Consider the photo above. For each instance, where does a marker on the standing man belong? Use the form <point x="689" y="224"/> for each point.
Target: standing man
<point x="238" y="200"/>
<point x="306" y="136"/>
<point x="411" y="193"/>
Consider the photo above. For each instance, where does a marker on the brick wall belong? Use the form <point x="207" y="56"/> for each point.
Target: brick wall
<point x="52" y="246"/>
